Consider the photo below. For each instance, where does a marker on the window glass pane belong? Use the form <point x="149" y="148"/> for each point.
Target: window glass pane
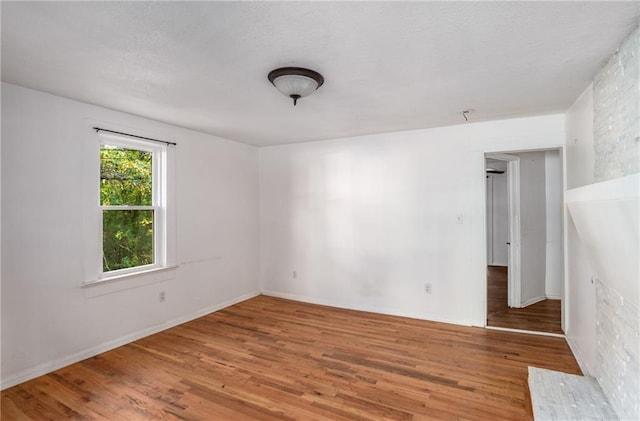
<point x="127" y="239"/>
<point x="125" y="176"/>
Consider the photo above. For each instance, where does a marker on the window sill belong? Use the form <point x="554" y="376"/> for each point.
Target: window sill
<point x="110" y="279"/>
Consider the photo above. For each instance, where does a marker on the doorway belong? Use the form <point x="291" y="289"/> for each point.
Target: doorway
<point x="525" y="273"/>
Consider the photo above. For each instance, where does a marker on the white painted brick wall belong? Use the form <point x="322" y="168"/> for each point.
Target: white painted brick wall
<point x="616" y="132"/>
<point x="618" y="351"/>
<point x="616" y="124"/>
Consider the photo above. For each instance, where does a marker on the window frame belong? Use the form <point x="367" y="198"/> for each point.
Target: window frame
<point x="158" y="205"/>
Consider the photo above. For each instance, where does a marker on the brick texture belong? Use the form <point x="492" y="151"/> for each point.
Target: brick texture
<point x="616" y="123"/>
<point x="561" y="396"/>
<point x="616" y="136"/>
<point x="617" y="351"/>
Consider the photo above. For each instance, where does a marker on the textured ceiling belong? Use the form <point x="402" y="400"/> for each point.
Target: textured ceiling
<point x="388" y="66"/>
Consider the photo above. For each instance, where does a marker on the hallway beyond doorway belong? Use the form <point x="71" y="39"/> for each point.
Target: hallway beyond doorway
<point x="543" y="316"/>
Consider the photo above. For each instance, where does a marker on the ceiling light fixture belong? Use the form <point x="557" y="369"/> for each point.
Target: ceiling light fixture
<point x="295" y="82"/>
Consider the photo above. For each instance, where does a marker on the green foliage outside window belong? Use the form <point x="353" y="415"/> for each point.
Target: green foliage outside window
<point x="126" y="179"/>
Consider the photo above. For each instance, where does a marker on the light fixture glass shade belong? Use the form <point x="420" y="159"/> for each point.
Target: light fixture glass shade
<point x="295" y="82"/>
<point x="295" y="85"/>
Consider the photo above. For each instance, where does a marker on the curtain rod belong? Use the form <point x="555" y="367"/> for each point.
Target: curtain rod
<point x="98" y="129"/>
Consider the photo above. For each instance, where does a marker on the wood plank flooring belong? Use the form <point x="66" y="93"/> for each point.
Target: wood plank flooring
<point x="543" y="316"/>
<point x="274" y="359"/>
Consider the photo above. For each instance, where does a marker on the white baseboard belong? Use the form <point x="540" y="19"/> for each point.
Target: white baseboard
<point x="533" y="301"/>
<point x="553" y="297"/>
<point x="50" y="366"/>
<point x="370" y="309"/>
<point x="577" y="353"/>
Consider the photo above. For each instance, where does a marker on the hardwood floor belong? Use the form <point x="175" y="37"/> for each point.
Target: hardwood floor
<point x="273" y="359"/>
<point x="543" y="316"/>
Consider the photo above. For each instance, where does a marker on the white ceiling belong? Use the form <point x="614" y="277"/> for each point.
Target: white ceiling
<point x="388" y="66"/>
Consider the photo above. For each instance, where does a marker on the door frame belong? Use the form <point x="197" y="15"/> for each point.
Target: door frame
<point x="481" y="213"/>
<point x="514" y="277"/>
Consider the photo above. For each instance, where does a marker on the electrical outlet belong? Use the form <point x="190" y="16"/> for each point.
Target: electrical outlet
<point x="162" y="297"/>
<point x="427" y="288"/>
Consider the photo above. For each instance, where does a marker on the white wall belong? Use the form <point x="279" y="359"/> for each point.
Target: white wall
<point x="365" y="222"/>
<point x="581" y="293"/>
<point x="616" y="117"/>
<point x="603" y="239"/>
<point x="48" y="318"/>
<point x="0" y="247"/>
<point x="554" y="261"/>
<point x="605" y="215"/>
<point x="580" y="156"/>
<point x="533" y="227"/>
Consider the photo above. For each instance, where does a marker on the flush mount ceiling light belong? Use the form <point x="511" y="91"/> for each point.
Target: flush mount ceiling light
<point x="295" y="82"/>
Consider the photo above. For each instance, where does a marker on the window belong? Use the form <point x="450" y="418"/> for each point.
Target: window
<point x="132" y="206"/>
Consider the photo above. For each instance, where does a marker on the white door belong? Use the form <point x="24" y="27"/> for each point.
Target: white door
<point x="512" y="229"/>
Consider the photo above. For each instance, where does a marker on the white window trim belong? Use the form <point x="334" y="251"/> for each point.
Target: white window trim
<point x="163" y="204"/>
<point x="140" y="273"/>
